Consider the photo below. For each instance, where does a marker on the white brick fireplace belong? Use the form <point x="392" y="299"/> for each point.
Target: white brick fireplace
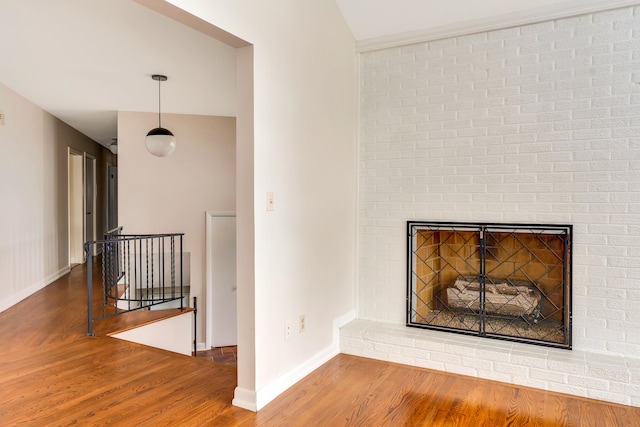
<point x="536" y="124"/>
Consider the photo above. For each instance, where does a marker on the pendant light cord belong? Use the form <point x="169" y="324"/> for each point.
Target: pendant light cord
<point x="159" y="117"/>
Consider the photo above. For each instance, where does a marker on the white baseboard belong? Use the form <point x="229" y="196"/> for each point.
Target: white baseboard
<point x="245" y="399"/>
<point x="281" y="384"/>
<point x="16" y="298"/>
<point x="254" y="401"/>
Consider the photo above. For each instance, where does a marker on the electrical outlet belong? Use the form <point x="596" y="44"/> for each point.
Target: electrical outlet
<point x="302" y="323"/>
<point x="1" y="118"/>
<point x="287" y="330"/>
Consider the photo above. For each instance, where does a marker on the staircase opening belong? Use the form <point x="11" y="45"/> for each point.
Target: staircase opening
<point x="137" y="272"/>
<point x="504" y="281"/>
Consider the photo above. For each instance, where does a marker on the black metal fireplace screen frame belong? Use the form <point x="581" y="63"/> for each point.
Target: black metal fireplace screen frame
<point x="505" y="281"/>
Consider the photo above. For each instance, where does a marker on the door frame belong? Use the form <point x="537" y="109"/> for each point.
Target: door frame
<point x="90" y="181"/>
<point x="111" y="208"/>
<point x="210" y="216"/>
<point x="75" y="208"/>
<point x="80" y="210"/>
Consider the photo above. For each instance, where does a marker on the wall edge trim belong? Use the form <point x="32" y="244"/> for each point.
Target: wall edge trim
<point x="548" y="13"/>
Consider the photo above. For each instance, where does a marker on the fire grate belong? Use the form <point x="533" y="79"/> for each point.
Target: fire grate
<point x="504" y="281"/>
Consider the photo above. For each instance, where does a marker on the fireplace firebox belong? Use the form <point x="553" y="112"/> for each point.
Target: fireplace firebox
<point x="503" y="281"/>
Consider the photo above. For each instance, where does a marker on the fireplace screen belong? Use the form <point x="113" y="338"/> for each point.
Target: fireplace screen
<point x="506" y="281"/>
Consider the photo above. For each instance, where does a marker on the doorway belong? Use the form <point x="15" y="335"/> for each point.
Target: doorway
<point x="112" y="197"/>
<point x="221" y="310"/>
<point x="76" y="209"/>
<point x="90" y="198"/>
<point x="82" y="204"/>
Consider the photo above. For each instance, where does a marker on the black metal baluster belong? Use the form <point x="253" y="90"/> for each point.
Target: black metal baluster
<point x="105" y="279"/>
<point x="164" y="282"/>
<point x="153" y="288"/>
<point x="173" y="268"/>
<point x="181" y="277"/>
<point x="146" y="278"/>
<point x="195" y="326"/>
<point x="89" y="291"/>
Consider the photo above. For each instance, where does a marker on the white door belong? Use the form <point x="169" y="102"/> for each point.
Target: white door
<point x="76" y="209"/>
<point x="221" y="329"/>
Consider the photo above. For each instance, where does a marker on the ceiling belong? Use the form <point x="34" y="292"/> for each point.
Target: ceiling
<point x="83" y="61"/>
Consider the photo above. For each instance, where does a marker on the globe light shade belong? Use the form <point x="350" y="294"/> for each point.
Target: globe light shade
<point x="160" y="142"/>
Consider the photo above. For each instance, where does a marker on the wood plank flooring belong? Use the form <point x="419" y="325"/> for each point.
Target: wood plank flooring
<point x="226" y="355"/>
<point x="51" y="373"/>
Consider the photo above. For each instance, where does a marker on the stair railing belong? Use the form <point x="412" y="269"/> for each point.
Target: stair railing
<point x="137" y="272"/>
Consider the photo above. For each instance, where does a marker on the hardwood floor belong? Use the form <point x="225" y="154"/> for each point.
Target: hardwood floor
<point x="51" y="373"/>
<point x="226" y="355"/>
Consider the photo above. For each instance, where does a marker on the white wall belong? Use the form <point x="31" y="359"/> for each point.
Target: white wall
<point x="304" y="109"/>
<point x="34" y="247"/>
<point x="172" y="194"/>
<point x="172" y="334"/>
<point x="538" y="124"/>
<point x="29" y="244"/>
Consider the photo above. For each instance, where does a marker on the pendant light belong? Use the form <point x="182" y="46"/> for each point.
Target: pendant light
<point x="114" y="146"/>
<point x="160" y="141"/>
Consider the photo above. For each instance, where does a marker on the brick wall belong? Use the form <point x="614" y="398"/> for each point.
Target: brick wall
<point x="538" y="123"/>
